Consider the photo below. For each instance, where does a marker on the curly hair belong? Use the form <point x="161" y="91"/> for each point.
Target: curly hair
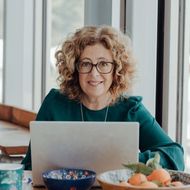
<point x="69" y="54"/>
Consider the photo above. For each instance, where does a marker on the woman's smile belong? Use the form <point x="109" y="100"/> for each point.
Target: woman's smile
<point x="95" y="83"/>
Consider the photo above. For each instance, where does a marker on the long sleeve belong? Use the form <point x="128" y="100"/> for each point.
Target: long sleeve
<point x="154" y="139"/>
<point x="27" y="159"/>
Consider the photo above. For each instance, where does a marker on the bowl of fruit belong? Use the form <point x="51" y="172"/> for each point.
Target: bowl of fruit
<point x="138" y="176"/>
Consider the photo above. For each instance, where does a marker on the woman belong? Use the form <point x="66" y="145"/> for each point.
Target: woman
<point x="96" y="67"/>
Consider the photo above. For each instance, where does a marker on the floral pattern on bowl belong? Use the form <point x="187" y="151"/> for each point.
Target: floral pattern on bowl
<point x="68" y="174"/>
<point x="69" y="178"/>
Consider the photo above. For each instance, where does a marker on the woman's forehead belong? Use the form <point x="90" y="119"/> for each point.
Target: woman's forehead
<point x="96" y="51"/>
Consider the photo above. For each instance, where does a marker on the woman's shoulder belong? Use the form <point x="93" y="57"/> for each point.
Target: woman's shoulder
<point x="52" y="103"/>
<point x="134" y="107"/>
<point x="54" y="92"/>
<point x="55" y="95"/>
<point x="131" y="100"/>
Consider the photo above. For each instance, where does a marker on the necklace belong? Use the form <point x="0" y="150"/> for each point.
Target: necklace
<point x="82" y="114"/>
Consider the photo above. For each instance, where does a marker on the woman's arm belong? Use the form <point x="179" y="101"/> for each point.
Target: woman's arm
<point x="154" y="139"/>
<point x="171" y="156"/>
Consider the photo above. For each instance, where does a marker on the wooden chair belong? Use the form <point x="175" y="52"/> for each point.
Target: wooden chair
<point x="14" y="129"/>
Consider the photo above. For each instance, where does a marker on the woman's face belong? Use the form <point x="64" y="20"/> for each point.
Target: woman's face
<point x="94" y="84"/>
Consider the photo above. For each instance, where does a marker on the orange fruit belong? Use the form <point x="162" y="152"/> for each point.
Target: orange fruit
<point x="137" y="179"/>
<point x="160" y="175"/>
<point x="148" y="184"/>
<point x="177" y="183"/>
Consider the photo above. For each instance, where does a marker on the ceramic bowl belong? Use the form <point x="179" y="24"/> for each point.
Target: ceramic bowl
<point x="11" y="176"/>
<point x="69" y="178"/>
<point x="110" y="180"/>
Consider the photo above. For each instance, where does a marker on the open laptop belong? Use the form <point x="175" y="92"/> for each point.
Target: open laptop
<point x="98" y="146"/>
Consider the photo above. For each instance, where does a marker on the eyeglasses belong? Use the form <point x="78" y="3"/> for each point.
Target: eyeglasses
<point x="103" y="67"/>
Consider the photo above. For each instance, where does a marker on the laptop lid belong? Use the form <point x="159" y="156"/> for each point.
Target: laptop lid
<point x="98" y="146"/>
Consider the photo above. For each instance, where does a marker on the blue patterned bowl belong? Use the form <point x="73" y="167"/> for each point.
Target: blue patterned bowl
<point x="69" y="179"/>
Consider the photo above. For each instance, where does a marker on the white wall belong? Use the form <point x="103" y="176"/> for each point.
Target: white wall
<point x="95" y="12"/>
<point x="170" y="67"/>
<point x="98" y="12"/>
<point x="141" y="22"/>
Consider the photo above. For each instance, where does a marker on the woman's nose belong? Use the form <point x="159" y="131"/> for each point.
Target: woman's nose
<point x="94" y="71"/>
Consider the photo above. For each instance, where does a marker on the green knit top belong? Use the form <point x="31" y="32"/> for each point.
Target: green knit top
<point x="152" y="138"/>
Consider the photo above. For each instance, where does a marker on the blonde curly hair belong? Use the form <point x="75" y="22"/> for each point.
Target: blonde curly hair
<point x="69" y="54"/>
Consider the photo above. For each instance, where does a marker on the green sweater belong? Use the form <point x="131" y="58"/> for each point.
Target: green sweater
<point x="57" y="107"/>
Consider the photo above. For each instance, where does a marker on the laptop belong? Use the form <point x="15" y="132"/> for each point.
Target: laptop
<point x="97" y="146"/>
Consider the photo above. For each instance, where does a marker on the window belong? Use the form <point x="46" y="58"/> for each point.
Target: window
<point x="65" y="17"/>
<point x="1" y="48"/>
<point x="187" y="84"/>
<point x="188" y="124"/>
<point x="183" y="132"/>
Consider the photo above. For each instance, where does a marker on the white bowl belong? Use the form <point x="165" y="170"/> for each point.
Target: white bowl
<point x="110" y="180"/>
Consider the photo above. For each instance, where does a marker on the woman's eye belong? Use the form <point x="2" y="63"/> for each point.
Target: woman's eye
<point x="85" y="64"/>
<point x="103" y="64"/>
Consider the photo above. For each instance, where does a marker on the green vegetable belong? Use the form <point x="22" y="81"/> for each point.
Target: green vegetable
<point x="139" y="168"/>
<point x="146" y="169"/>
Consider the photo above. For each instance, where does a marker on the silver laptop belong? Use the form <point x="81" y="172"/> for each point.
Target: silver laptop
<point x="98" y="146"/>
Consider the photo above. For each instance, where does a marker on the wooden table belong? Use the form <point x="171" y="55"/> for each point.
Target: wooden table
<point x="14" y="129"/>
<point x="14" y="139"/>
<point x="27" y="183"/>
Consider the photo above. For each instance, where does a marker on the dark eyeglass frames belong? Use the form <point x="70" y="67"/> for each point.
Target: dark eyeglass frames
<point x="103" y="67"/>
